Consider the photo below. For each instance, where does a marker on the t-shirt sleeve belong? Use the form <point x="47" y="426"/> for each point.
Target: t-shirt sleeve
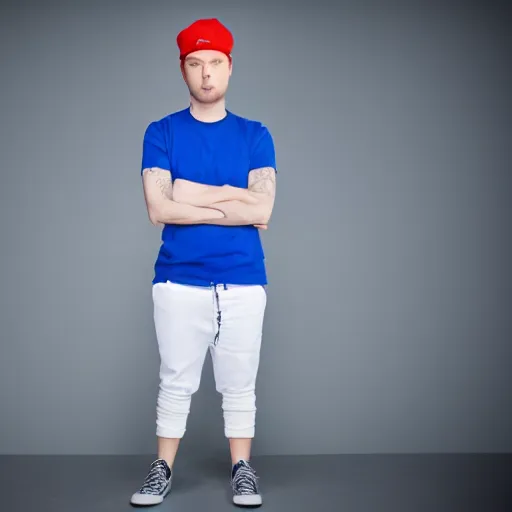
<point x="154" y="151"/>
<point x="263" y="153"/>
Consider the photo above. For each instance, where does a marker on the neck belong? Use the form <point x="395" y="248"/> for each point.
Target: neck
<point x="208" y="112"/>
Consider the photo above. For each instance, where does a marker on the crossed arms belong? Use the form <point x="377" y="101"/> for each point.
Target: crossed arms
<point x="187" y="202"/>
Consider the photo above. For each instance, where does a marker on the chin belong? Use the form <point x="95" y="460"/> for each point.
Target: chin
<point x="208" y="98"/>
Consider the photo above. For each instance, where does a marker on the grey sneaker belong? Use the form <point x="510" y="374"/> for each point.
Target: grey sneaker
<point x="244" y="482"/>
<point x="156" y="486"/>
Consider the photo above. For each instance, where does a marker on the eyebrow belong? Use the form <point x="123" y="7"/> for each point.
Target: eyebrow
<point x="189" y="59"/>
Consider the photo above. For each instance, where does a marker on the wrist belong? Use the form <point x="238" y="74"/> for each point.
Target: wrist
<point x="213" y="211"/>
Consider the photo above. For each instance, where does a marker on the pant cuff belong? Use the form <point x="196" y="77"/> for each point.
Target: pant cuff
<point x="169" y="432"/>
<point x="246" y="433"/>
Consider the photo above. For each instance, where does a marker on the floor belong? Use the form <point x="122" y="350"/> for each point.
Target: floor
<point x="348" y="483"/>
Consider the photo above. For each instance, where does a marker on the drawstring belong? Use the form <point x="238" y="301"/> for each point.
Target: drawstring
<point x="219" y="314"/>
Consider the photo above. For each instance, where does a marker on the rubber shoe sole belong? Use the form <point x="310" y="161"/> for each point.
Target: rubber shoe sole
<point x="247" y="500"/>
<point x="149" y="499"/>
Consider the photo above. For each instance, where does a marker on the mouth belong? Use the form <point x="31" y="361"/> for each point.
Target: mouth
<point x="207" y="87"/>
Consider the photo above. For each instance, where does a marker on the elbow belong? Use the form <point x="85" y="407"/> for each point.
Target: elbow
<point x="264" y="217"/>
<point x="154" y="216"/>
<point x="154" y="221"/>
<point x="165" y="212"/>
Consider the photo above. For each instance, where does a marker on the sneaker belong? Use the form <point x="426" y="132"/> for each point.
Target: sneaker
<point x="244" y="483"/>
<point x="156" y="486"/>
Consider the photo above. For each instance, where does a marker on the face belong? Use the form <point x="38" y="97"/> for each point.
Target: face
<point x="206" y="73"/>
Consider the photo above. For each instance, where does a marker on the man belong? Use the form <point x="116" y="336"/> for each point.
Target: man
<point x="209" y="180"/>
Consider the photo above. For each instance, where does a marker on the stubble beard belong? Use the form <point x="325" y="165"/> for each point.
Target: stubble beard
<point x="208" y="98"/>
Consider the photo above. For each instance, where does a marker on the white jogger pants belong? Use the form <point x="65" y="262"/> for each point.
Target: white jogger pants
<point x="189" y="320"/>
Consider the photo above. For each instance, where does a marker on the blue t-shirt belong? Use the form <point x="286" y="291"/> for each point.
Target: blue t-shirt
<point x="218" y="153"/>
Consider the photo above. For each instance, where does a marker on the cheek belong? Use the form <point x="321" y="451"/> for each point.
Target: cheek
<point x="224" y="77"/>
<point x="194" y="79"/>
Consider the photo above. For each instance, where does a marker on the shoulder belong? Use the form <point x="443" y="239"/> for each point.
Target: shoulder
<point x="162" y="124"/>
<point x="251" y="125"/>
<point x="254" y="130"/>
<point x="260" y="143"/>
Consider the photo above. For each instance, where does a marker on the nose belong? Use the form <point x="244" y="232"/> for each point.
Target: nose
<point x="206" y="71"/>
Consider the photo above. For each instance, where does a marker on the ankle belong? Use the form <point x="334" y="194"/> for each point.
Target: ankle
<point x="167" y="460"/>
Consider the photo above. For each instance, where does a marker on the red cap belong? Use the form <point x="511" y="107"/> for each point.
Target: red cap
<point x="207" y="34"/>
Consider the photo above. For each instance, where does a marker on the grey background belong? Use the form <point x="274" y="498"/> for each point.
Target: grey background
<point x="388" y="325"/>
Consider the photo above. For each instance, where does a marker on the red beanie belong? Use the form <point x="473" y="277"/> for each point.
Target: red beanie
<point x="207" y="34"/>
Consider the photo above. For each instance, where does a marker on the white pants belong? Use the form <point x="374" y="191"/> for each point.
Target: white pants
<point x="189" y="320"/>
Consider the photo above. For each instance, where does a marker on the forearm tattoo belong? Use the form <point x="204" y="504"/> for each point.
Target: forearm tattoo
<point x="263" y="181"/>
<point x="163" y="180"/>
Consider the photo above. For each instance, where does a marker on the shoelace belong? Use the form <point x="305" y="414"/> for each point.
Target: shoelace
<point x="156" y="479"/>
<point x="245" y="480"/>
